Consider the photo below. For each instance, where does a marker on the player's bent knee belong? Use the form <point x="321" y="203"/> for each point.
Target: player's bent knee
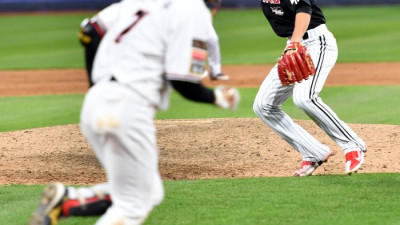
<point x="257" y="109"/>
<point x="264" y="111"/>
<point x="303" y="103"/>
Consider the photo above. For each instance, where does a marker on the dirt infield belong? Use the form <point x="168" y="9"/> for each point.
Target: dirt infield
<point x="189" y="149"/>
<point x="14" y="83"/>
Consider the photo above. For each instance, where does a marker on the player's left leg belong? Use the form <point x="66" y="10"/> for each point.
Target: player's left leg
<point x="323" y="49"/>
<point x="60" y="202"/>
<point x="95" y="200"/>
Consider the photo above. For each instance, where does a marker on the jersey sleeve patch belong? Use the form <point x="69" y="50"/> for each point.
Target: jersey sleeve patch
<point x="199" y="58"/>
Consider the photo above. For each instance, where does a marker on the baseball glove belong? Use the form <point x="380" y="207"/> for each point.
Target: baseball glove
<point x="227" y="97"/>
<point x="295" y="64"/>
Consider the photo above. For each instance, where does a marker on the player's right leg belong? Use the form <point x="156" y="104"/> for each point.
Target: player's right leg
<point x="49" y="209"/>
<point x="267" y="106"/>
<point x="129" y="153"/>
<point x="59" y="202"/>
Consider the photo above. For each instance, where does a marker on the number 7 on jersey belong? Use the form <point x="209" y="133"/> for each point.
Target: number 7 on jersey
<point x="139" y="15"/>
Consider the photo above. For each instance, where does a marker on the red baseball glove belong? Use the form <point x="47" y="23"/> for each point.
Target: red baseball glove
<point x="295" y="64"/>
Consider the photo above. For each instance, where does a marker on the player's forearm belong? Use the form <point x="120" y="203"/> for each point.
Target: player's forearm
<point x="194" y="91"/>
<point x="300" y="27"/>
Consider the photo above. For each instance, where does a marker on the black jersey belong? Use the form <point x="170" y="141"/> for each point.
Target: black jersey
<point x="281" y="14"/>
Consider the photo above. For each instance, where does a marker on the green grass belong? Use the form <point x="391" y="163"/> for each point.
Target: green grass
<point x="363" y="34"/>
<point x="365" y="31"/>
<point x="50" y="40"/>
<point x="41" y="41"/>
<point x="361" y="199"/>
<point x="19" y="113"/>
<point x="381" y="107"/>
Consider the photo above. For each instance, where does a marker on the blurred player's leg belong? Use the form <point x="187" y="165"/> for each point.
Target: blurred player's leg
<point x="124" y="125"/>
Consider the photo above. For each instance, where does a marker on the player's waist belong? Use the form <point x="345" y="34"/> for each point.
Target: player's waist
<point x="316" y="32"/>
<point x="151" y="90"/>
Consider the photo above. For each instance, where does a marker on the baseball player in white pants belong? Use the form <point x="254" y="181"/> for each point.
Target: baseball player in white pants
<point x="308" y="27"/>
<point x="148" y="47"/>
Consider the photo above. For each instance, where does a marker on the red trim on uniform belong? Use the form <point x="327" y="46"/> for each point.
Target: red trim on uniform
<point x="98" y="28"/>
<point x="101" y="24"/>
<point x="74" y="203"/>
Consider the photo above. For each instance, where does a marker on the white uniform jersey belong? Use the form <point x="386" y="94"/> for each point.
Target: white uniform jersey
<point x="107" y="17"/>
<point x="134" y="49"/>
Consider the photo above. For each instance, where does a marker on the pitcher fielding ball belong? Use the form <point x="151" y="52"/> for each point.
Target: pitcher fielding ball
<point x="301" y="72"/>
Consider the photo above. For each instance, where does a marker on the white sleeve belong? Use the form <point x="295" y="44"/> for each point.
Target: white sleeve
<point x="214" y="58"/>
<point x="186" y="52"/>
<point x="107" y="17"/>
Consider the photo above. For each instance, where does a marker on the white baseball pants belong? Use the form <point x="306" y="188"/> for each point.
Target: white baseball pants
<point x="322" y="47"/>
<point x="118" y="123"/>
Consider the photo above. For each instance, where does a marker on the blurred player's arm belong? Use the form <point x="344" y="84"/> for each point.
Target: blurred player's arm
<point x="222" y="96"/>
<point x="92" y="31"/>
<point x="186" y="56"/>
<point x="214" y="57"/>
<point x="194" y="91"/>
<point x="90" y="36"/>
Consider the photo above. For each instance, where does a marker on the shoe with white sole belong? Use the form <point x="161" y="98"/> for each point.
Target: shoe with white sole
<point x="49" y="210"/>
<point x="308" y="167"/>
<point x="354" y="160"/>
<point x="219" y="76"/>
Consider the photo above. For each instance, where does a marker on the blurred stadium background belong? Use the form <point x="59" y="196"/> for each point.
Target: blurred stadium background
<point x="55" y="5"/>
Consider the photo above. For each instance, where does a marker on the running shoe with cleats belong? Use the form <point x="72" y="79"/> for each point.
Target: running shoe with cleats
<point x="219" y="76"/>
<point x="308" y="167"/>
<point x="354" y="160"/>
<point x="49" y="210"/>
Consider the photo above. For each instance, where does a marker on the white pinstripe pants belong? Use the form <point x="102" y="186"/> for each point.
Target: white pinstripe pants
<point x="267" y="105"/>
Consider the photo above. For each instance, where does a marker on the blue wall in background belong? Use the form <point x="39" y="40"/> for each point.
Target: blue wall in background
<point x="51" y="5"/>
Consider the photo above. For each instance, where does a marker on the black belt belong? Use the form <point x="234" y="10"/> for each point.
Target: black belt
<point x="305" y="36"/>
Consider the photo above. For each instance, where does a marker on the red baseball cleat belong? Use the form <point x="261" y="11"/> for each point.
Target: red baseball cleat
<point x="308" y="167"/>
<point x="354" y="160"/>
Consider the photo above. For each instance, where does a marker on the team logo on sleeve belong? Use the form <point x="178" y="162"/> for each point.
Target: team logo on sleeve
<point x="199" y="58"/>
